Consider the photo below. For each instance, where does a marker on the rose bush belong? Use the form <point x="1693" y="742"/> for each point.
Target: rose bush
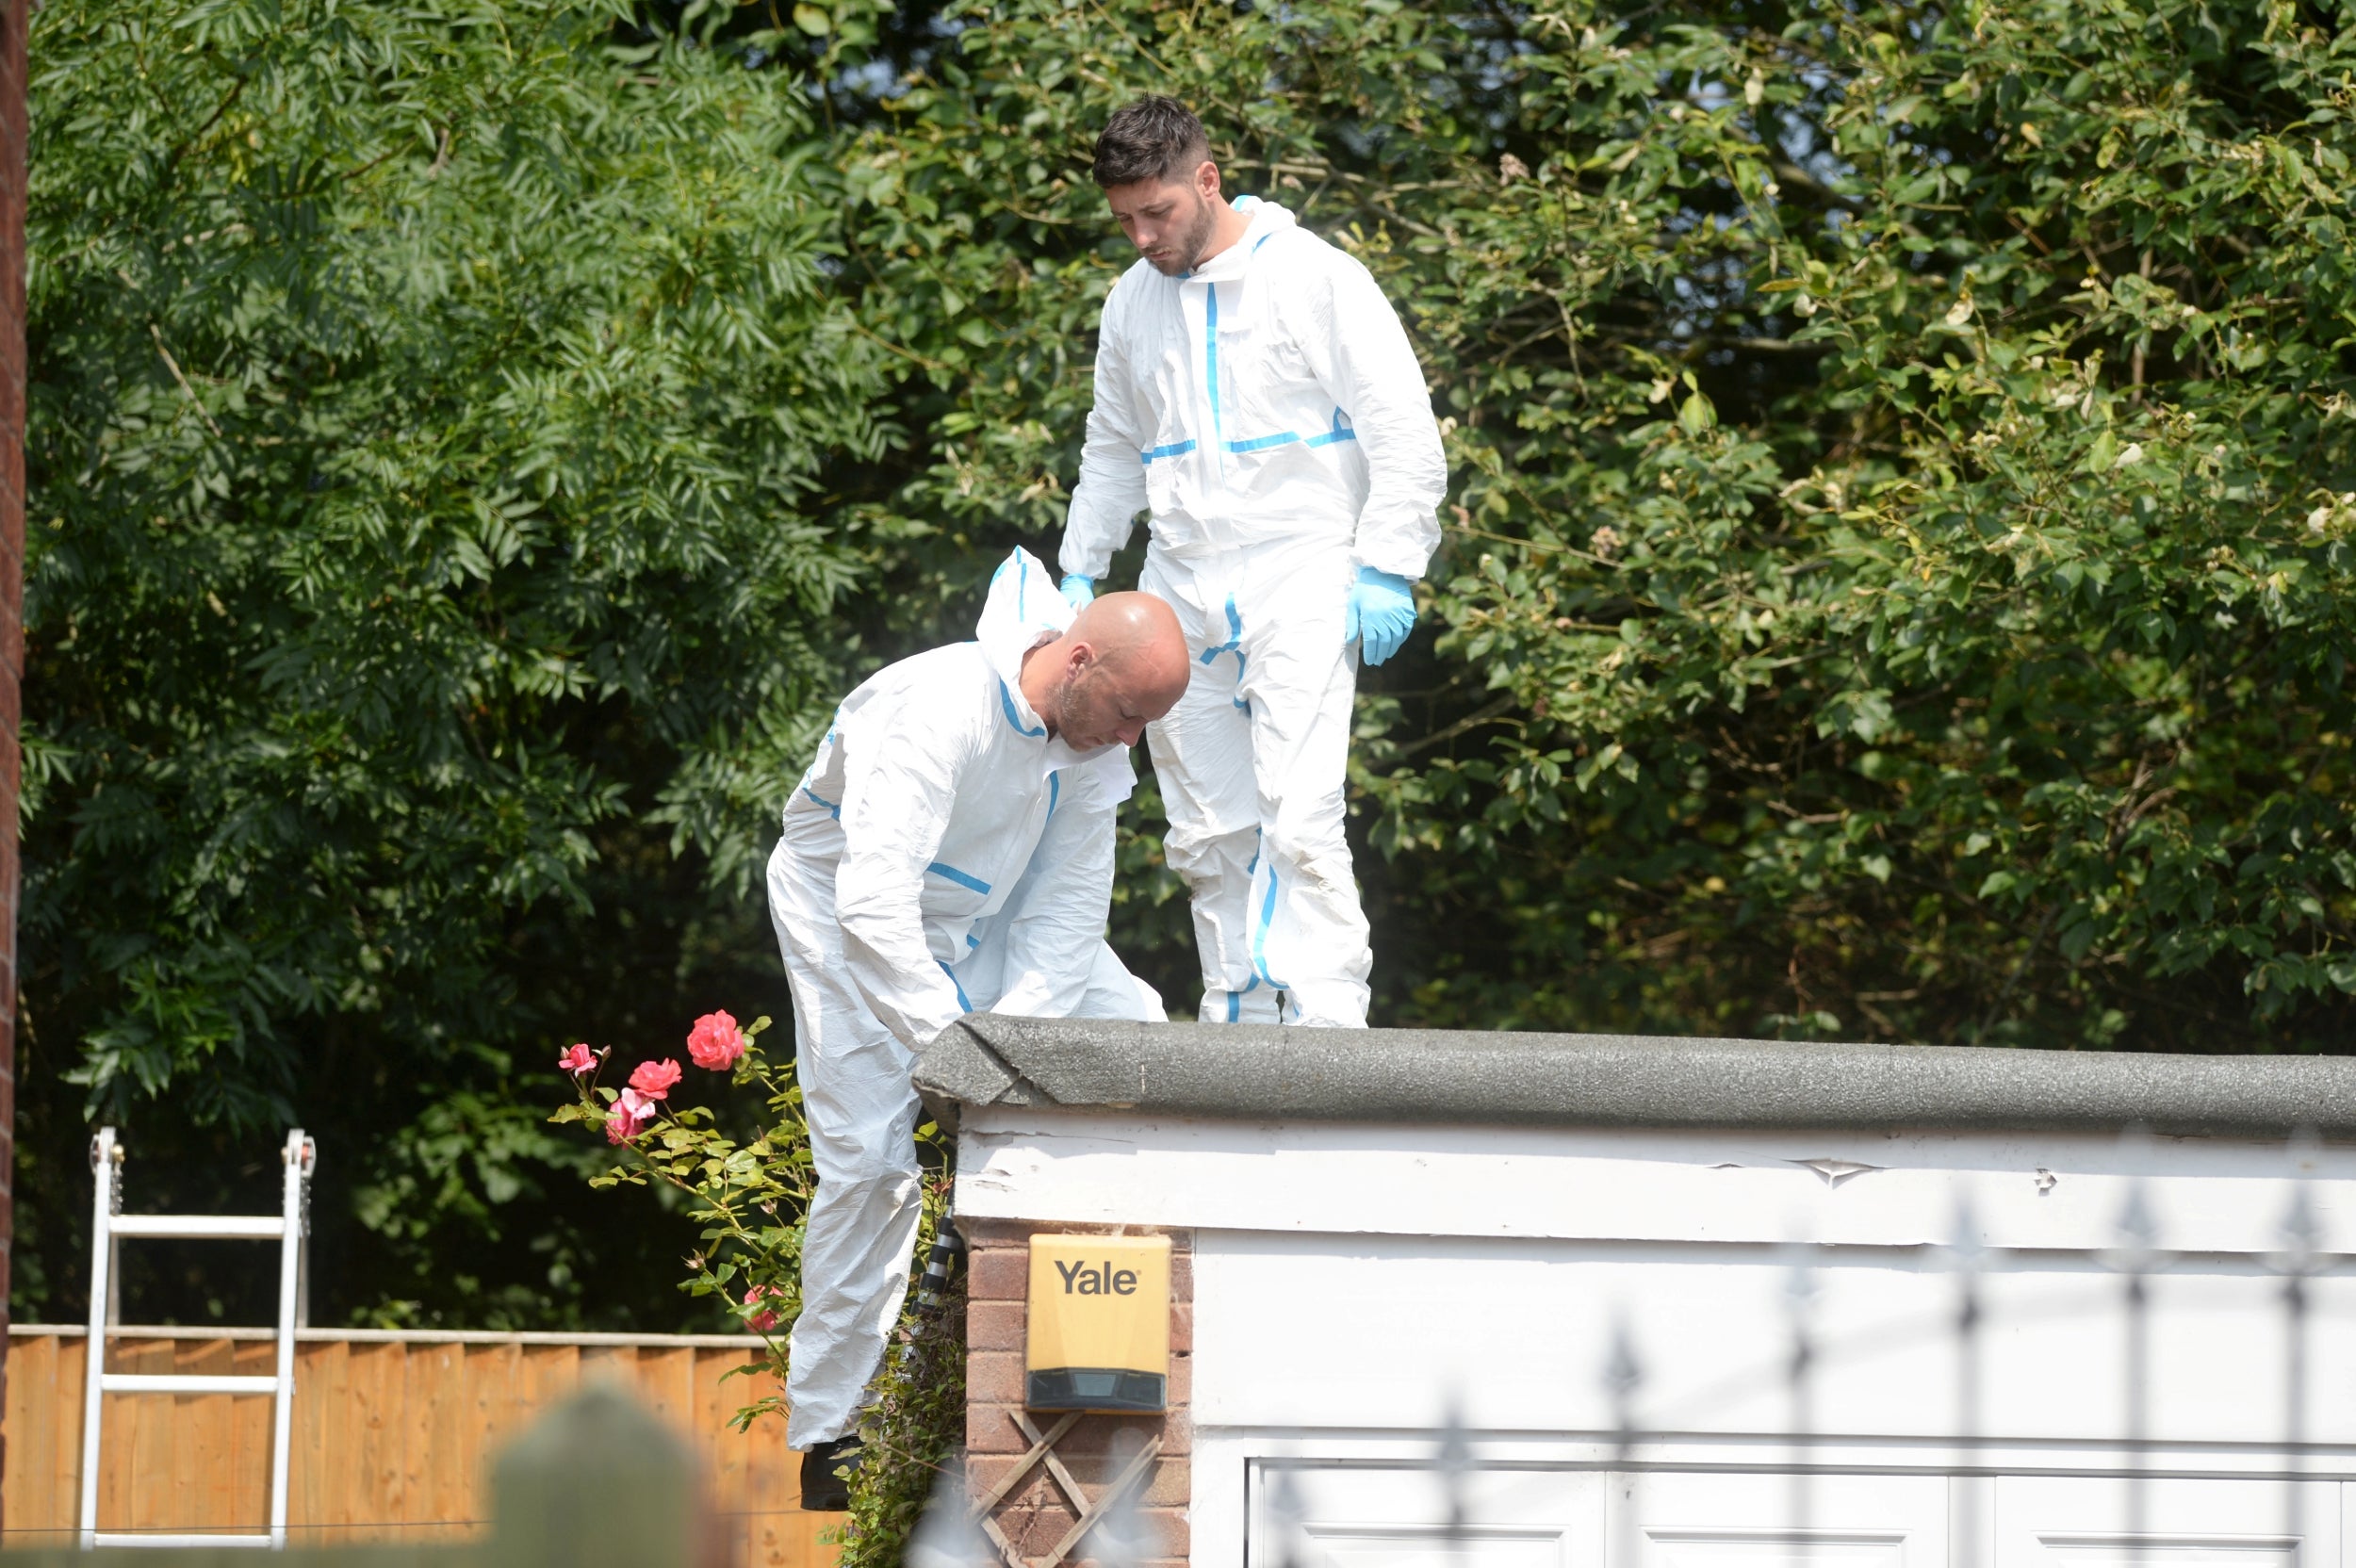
<point x="654" y="1079"/>
<point x="632" y="1115"/>
<point x="715" y="1042"/>
<point x="748" y="1196"/>
<point x="765" y="1319"/>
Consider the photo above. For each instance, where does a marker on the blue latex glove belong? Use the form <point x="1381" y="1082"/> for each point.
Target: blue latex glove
<point x="1078" y="590"/>
<point x="1381" y="614"/>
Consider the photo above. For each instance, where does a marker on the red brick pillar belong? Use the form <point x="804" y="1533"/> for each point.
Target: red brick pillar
<point x="1035" y="1515"/>
<point x="13" y="16"/>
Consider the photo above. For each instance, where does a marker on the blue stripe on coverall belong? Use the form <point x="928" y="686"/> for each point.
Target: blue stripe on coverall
<point x="1234" y="646"/>
<point x="963" y="880"/>
<point x="1259" y="926"/>
<point x="1210" y="358"/>
<point x="1005" y="701"/>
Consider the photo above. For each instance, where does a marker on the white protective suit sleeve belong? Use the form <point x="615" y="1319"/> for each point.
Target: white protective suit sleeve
<point x="1111" y="491"/>
<point x="900" y="783"/>
<point x="1053" y="937"/>
<point x="1357" y="348"/>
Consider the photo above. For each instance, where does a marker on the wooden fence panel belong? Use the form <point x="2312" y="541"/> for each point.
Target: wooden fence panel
<point x="247" y="1497"/>
<point x="139" y="1497"/>
<point x="394" y="1435"/>
<point x="434" y="1472"/>
<point x="44" y="1438"/>
<point x="313" y="1499"/>
<point x="377" y="1376"/>
<point x="202" y="1430"/>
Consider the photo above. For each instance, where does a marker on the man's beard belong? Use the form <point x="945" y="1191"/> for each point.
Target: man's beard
<point x="1064" y="711"/>
<point x="1061" y="702"/>
<point x="1198" y="237"/>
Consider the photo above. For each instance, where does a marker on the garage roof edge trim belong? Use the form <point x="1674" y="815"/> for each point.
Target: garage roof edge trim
<point x="1265" y="1073"/>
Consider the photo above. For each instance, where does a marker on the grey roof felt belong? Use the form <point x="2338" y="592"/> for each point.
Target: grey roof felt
<point x="1238" y="1071"/>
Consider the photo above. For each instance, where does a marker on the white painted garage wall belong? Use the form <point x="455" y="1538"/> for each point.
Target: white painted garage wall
<point x="1357" y="1288"/>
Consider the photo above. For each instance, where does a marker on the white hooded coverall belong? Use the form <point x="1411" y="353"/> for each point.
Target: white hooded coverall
<point x="941" y="856"/>
<point x="1270" y="411"/>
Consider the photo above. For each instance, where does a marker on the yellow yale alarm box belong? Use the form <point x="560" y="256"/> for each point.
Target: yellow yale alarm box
<point x="1099" y="1323"/>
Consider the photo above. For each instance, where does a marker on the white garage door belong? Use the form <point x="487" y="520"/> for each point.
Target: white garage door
<point x="1758" y="1521"/>
<point x="2058" y="1522"/>
<point x="1384" y="1516"/>
<point x="1373" y="1515"/>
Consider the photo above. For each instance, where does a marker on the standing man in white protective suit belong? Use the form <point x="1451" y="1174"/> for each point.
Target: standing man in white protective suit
<point x="1256" y="391"/>
<point x="949" y="851"/>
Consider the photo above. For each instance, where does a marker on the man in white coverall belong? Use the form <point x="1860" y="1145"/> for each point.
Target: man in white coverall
<point x="949" y="851"/>
<point x="1255" y="392"/>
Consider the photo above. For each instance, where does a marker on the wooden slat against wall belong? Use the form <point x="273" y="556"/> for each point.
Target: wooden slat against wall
<point x="440" y="1468"/>
<point x="45" y="1432"/>
<point x="393" y="1440"/>
<point x="666" y="1380"/>
<point x="759" y="1472"/>
<point x="491" y="1376"/>
<point x="202" y="1431"/>
<point x="249" y="1420"/>
<point x="27" y="1419"/>
<point x="378" y="1372"/>
<point x="127" y="1497"/>
<point x="312" y="1495"/>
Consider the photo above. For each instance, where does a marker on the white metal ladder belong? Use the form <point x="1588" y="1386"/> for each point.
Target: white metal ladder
<point x="110" y="1224"/>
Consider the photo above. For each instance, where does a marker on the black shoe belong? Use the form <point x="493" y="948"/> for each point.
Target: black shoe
<point x="825" y="1469"/>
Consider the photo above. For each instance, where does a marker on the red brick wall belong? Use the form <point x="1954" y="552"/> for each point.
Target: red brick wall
<point x="13" y="16"/>
<point x="1035" y="1515"/>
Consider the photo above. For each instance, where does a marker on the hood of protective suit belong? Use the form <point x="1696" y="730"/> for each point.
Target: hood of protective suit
<point x="1267" y="218"/>
<point x="1024" y="610"/>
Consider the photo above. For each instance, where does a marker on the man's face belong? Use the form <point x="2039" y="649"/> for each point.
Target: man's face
<point x="1092" y="707"/>
<point x="1169" y="223"/>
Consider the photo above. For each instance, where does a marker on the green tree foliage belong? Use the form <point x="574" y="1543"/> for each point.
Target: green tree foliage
<point x="1898" y="558"/>
<point x="1987" y="684"/>
<point x="1899" y="568"/>
<point x="429" y="406"/>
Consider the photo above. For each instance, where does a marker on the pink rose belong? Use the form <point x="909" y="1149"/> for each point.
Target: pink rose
<point x="580" y="1059"/>
<point x="766" y="1319"/>
<point x="633" y="1113"/>
<point x="654" y="1079"/>
<point x="715" y="1042"/>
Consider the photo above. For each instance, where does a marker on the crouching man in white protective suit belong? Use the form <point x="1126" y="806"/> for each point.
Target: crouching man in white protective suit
<point x="949" y="851"/>
<point x="1256" y="393"/>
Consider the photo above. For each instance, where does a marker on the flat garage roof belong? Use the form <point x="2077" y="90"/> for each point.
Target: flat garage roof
<point x="1264" y="1074"/>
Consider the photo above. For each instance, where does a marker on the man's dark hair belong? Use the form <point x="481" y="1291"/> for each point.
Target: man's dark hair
<point x="1154" y="139"/>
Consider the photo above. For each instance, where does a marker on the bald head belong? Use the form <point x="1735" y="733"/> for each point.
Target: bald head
<point x="1137" y="635"/>
<point x="1119" y="665"/>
